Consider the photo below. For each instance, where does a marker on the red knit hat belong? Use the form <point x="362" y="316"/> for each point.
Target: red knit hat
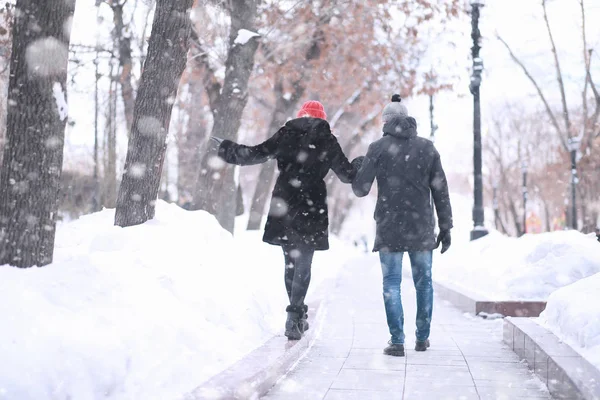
<point x="312" y="108"/>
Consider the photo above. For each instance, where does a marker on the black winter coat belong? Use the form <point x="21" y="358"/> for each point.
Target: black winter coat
<point x="409" y="173"/>
<point x="305" y="150"/>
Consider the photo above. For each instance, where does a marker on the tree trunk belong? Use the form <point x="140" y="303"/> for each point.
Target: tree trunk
<point x="283" y="108"/>
<point x="123" y="42"/>
<point x="37" y="114"/>
<point x="547" y="216"/>
<point x="190" y="141"/>
<point x="167" y="50"/>
<point x="110" y="171"/>
<point x="96" y="198"/>
<point x="264" y="184"/>
<point x="515" y="216"/>
<point x="216" y="188"/>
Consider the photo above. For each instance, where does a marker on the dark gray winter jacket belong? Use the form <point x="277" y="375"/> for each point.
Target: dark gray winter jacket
<point x="409" y="173"/>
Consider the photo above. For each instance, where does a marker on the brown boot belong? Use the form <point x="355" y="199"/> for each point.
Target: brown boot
<point x="422" y="346"/>
<point x="394" y="349"/>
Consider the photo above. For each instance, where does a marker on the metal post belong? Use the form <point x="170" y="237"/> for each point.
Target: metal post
<point x="496" y="206"/>
<point x="574" y="146"/>
<point x="524" y="170"/>
<point x="96" y="199"/>
<point x="433" y="126"/>
<point x="478" y="212"/>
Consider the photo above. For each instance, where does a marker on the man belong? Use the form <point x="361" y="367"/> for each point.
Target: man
<point x="409" y="174"/>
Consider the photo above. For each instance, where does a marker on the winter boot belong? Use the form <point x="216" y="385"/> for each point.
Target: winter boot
<point x="422" y="346"/>
<point x="303" y="320"/>
<point x="396" y="350"/>
<point x="292" y="325"/>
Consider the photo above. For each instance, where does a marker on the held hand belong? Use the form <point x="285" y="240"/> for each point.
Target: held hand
<point x="445" y="239"/>
<point x="358" y="162"/>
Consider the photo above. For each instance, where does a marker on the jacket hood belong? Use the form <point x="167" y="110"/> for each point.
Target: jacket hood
<point x="307" y="124"/>
<point x="401" y="127"/>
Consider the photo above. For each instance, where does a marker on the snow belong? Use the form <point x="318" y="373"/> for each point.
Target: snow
<point x="244" y="35"/>
<point x="574" y="316"/>
<point x="46" y="57"/>
<point x="526" y="268"/>
<point x="145" y="312"/>
<point x="61" y="101"/>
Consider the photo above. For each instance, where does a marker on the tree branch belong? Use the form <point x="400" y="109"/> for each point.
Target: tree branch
<point x="209" y="79"/>
<point x="590" y="124"/>
<point x="342" y="110"/>
<point x="539" y="91"/>
<point x="360" y="131"/>
<point x="559" y="76"/>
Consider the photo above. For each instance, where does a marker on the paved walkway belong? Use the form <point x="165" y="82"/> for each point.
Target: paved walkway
<point x="467" y="359"/>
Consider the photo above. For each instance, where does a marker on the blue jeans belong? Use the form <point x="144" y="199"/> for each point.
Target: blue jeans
<point x="391" y="267"/>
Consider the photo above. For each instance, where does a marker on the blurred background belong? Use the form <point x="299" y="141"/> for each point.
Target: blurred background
<point x="540" y="99"/>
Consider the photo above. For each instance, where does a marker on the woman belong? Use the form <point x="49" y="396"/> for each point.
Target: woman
<point x="305" y="150"/>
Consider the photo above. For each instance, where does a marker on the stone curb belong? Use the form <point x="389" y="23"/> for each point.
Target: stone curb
<point x="475" y="304"/>
<point x="566" y="373"/>
<point x="255" y="374"/>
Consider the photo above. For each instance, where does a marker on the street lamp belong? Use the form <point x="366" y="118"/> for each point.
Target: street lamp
<point x="478" y="213"/>
<point x="524" y="189"/>
<point x="496" y="205"/>
<point x="573" y="147"/>
<point x="433" y="125"/>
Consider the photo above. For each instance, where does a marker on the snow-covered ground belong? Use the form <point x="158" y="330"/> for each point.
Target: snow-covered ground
<point x="573" y="314"/>
<point x="146" y="312"/>
<point x="526" y="268"/>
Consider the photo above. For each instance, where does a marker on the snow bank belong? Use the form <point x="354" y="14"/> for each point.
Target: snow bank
<point x="146" y="312"/>
<point x="573" y="315"/>
<point x="527" y="268"/>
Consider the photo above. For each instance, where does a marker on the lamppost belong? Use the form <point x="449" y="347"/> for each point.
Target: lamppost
<point x="496" y="205"/>
<point x="573" y="147"/>
<point x="432" y="123"/>
<point x="524" y="189"/>
<point x="478" y="213"/>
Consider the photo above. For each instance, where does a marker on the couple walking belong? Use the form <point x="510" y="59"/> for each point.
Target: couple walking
<point x="409" y="175"/>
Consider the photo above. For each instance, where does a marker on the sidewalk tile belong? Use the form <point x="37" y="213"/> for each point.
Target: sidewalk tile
<point x="342" y="394"/>
<point x="367" y="379"/>
<point x="375" y="361"/>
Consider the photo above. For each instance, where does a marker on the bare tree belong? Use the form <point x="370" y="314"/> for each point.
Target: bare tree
<point x="517" y="138"/>
<point x="109" y="198"/>
<point x="6" y="18"/>
<point x="122" y="39"/>
<point x="216" y="190"/>
<point x="580" y="126"/>
<point x="37" y="114"/>
<point x="285" y="104"/>
<point x="167" y="54"/>
<point x="322" y="61"/>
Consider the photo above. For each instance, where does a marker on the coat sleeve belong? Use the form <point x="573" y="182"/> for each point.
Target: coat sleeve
<point x="340" y="164"/>
<point x="240" y="154"/>
<point x="361" y="186"/>
<point x="439" y="190"/>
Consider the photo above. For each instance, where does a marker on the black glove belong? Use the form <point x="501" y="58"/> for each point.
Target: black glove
<point x="357" y="162"/>
<point x="445" y="239"/>
<point x="217" y="139"/>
